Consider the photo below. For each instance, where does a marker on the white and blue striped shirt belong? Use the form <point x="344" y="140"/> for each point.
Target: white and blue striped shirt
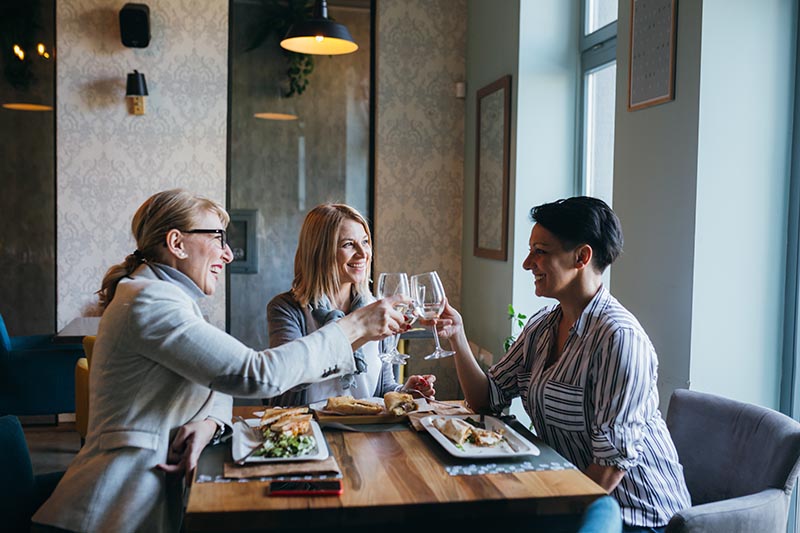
<point x="598" y="403"/>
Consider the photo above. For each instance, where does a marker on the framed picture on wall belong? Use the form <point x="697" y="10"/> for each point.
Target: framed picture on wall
<point x="242" y="240"/>
<point x="493" y="126"/>
<point x="651" y="65"/>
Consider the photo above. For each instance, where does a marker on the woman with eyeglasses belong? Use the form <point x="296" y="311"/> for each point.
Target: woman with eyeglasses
<point x="162" y="378"/>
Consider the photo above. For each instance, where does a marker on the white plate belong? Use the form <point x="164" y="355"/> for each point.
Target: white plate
<point x="242" y="443"/>
<point x="513" y="445"/>
<point x="422" y="406"/>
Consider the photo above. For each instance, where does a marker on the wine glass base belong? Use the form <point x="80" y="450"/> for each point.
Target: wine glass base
<point x="439" y="354"/>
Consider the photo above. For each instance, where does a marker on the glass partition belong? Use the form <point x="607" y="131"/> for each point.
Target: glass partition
<point x="27" y="172"/>
<point x="289" y="154"/>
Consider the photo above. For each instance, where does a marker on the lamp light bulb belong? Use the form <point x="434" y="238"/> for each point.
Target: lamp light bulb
<point x="319" y="38"/>
<point x="19" y="52"/>
<point x="40" y="48"/>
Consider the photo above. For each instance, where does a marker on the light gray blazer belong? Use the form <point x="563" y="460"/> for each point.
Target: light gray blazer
<point x="156" y="366"/>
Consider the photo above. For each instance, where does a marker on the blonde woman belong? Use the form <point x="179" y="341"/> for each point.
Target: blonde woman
<point x="162" y="376"/>
<point x="331" y="280"/>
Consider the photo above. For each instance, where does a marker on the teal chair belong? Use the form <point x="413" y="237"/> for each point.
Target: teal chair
<point x="23" y="493"/>
<point x="37" y="377"/>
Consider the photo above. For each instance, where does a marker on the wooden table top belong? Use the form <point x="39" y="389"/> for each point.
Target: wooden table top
<point x="391" y="478"/>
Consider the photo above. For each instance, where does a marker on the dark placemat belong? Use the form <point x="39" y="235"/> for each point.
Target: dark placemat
<point x="548" y="459"/>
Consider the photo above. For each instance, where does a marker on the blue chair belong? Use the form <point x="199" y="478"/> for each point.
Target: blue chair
<point x="23" y="493"/>
<point x="602" y="516"/>
<point x="37" y="377"/>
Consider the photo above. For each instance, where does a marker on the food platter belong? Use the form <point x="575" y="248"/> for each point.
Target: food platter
<point x="242" y="443"/>
<point x="323" y="416"/>
<point x="512" y="445"/>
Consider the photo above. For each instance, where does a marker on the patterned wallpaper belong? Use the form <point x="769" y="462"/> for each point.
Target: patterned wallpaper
<point x="420" y="150"/>
<point x="109" y="162"/>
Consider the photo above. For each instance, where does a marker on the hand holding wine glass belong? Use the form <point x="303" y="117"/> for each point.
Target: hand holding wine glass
<point x="429" y="299"/>
<point x="390" y="284"/>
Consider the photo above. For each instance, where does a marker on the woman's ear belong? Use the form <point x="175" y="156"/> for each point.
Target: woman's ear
<point x="174" y="242"/>
<point x="583" y="256"/>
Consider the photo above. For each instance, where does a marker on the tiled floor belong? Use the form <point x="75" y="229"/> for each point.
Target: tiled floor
<point x="52" y="447"/>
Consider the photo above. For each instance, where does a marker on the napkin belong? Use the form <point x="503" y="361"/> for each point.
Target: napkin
<point x="327" y="466"/>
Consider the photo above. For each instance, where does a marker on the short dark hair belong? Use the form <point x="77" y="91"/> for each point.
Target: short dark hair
<point x="583" y="220"/>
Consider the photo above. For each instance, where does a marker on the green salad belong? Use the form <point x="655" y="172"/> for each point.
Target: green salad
<point x="286" y="445"/>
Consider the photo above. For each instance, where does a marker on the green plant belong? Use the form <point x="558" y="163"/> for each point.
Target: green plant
<point x="520" y="318"/>
<point x="277" y="16"/>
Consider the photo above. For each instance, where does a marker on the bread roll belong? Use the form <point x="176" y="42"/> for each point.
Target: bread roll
<point x="399" y="403"/>
<point x="347" y="405"/>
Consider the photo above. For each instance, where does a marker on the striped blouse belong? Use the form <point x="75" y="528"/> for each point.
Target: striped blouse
<point x="598" y="403"/>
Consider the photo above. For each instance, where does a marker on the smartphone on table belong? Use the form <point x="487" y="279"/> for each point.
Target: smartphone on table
<point x="323" y="487"/>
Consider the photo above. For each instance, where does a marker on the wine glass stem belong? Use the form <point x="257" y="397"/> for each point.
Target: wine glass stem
<point x="436" y="337"/>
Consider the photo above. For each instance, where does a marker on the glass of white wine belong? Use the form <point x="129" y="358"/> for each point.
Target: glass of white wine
<point x="428" y="296"/>
<point x="389" y="284"/>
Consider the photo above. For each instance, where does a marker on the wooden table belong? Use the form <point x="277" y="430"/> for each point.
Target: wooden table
<point x="395" y="481"/>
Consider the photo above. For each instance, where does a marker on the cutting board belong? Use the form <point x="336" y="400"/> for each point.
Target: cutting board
<point x="385" y="418"/>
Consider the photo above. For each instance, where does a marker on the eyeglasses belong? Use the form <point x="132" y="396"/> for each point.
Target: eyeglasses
<point x="221" y="233"/>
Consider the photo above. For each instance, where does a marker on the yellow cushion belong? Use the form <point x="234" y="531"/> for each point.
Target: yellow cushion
<point x="82" y="396"/>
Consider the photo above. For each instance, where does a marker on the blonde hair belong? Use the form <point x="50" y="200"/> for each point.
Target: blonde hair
<point x="166" y="210"/>
<point x="315" y="270"/>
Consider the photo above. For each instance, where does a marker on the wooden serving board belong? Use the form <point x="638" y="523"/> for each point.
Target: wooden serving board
<point x="385" y="418"/>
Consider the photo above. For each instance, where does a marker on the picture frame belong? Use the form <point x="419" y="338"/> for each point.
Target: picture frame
<point x="242" y="232"/>
<point x="651" y="59"/>
<point x="492" y="142"/>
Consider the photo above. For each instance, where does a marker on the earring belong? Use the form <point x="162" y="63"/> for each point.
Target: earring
<point x="183" y="255"/>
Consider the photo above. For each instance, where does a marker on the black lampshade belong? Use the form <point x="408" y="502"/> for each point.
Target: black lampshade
<point x="136" y="84"/>
<point x="319" y="35"/>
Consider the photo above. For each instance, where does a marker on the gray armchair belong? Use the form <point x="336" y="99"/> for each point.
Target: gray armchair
<point x="740" y="462"/>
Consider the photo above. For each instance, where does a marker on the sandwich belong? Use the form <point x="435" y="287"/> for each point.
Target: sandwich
<point x="454" y="429"/>
<point x="347" y="405"/>
<point x="292" y="425"/>
<point x="486" y="437"/>
<point x="399" y="403"/>
<point x="274" y="414"/>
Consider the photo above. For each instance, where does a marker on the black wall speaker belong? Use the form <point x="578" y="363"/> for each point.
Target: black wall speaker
<point x="134" y="25"/>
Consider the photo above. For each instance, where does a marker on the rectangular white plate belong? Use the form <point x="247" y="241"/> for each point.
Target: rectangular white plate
<point x="514" y="444"/>
<point x="242" y="443"/>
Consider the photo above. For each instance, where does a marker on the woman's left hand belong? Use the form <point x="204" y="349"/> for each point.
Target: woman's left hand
<point x="421" y="384"/>
<point x="185" y="449"/>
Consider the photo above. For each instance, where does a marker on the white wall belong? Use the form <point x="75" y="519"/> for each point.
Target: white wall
<point x="744" y="149"/>
<point x="492" y="48"/>
<point x="700" y="186"/>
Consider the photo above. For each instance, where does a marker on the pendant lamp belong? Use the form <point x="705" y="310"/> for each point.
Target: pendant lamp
<point x="319" y="35"/>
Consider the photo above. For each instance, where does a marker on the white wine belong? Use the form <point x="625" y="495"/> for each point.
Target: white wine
<point x="429" y="311"/>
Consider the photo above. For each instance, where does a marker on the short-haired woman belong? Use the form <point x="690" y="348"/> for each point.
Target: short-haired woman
<point x="162" y="376"/>
<point x="331" y="280"/>
<point x="585" y="369"/>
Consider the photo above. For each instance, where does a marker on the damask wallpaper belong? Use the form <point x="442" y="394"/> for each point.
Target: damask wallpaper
<point x="421" y="47"/>
<point x="109" y="162"/>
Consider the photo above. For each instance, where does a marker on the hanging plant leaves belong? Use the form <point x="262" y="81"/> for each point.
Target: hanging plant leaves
<point x="277" y="17"/>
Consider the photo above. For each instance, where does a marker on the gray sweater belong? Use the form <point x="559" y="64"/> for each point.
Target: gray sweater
<point x="286" y="322"/>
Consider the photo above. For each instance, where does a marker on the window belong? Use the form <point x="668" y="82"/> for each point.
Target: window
<point x="598" y="46"/>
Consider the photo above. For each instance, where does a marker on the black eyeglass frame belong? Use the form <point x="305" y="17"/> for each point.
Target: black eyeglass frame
<point x="223" y="235"/>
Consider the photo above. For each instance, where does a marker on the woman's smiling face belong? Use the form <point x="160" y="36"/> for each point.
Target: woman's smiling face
<point x="206" y="256"/>
<point x="552" y="266"/>
<point x="353" y="252"/>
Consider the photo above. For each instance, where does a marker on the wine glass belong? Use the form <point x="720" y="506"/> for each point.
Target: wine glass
<point x="428" y="295"/>
<point x="389" y="284"/>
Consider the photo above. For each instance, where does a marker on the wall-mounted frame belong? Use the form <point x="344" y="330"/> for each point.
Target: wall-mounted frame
<point x="651" y="60"/>
<point x="492" y="138"/>
<point x="242" y="240"/>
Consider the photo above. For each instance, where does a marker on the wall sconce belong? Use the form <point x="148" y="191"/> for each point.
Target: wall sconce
<point x="135" y="92"/>
<point x="319" y="35"/>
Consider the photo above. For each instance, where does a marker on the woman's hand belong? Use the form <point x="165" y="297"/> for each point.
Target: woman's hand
<point x="421" y="384"/>
<point x="375" y="321"/>
<point x="449" y="322"/>
<point x="184" y="451"/>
